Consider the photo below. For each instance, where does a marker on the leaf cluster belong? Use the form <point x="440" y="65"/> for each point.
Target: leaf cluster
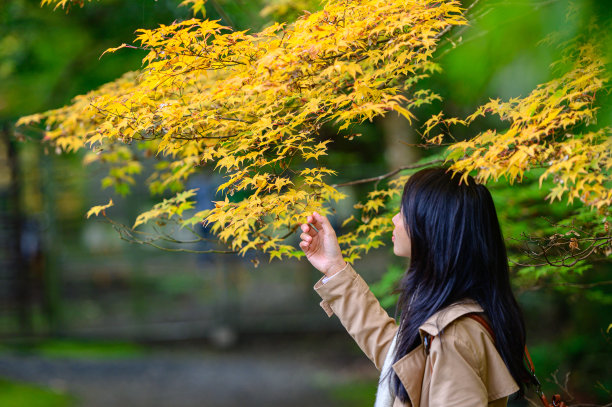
<point x="252" y="106"/>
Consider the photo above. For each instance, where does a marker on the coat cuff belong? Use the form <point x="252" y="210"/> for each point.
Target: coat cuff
<point x="331" y="288"/>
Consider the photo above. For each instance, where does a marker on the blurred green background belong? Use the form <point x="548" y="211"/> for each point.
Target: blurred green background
<point x="87" y="319"/>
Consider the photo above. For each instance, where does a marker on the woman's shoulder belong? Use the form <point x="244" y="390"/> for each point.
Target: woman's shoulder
<point x="470" y="331"/>
<point x="443" y="319"/>
<point x="471" y="341"/>
<point x="461" y="328"/>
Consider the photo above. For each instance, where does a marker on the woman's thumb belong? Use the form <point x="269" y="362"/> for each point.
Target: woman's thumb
<point x="322" y="220"/>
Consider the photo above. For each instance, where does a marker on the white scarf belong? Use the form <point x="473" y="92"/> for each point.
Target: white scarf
<point x="384" y="398"/>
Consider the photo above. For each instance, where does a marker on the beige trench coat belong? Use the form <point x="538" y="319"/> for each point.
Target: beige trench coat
<point x="462" y="369"/>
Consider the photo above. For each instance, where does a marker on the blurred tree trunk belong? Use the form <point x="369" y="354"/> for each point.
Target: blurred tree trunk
<point x="15" y="271"/>
<point x="399" y="136"/>
<point x="51" y="249"/>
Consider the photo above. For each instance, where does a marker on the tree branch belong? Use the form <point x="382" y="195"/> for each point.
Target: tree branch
<point x="388" y="175"/>
<point x="563" y="249"/>
<point x="448" y="28"/>
<point x="222" y="13"/>
<point x="126" y="234"/>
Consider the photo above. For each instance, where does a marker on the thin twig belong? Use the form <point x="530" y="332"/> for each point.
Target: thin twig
<point x="450" y="26"/>
<point x="222" y="13"/>
<point x="388" y="175"/>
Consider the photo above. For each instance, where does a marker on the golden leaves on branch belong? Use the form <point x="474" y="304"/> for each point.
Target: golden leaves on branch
<point x="374" y="222"/>
<point x="196" y="6"/>
<point x="582" y="169"/>
<point x="542" y="133"/>
<point x="253" y="105"/>
<point x="65" y="4"/>
<point x="168" y="208"/>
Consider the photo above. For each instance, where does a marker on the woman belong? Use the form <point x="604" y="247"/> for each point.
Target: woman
<point x="461" y="335"/>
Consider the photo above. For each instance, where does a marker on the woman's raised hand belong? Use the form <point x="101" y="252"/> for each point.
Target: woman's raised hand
<point x="321" y="245"/>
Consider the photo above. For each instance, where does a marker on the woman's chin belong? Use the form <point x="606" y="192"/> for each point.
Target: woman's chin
<point x="400" y="253"/>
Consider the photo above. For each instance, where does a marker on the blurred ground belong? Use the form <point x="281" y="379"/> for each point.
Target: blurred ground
<point x="327" y="371"/>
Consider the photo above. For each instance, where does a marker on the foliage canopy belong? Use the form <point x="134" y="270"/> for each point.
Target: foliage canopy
<point x="252" y="106"/>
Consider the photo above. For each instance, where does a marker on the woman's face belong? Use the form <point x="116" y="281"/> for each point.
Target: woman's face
<point x="401" y="240"/>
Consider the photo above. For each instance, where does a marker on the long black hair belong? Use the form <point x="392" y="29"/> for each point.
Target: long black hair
<point x="458" y="253"/>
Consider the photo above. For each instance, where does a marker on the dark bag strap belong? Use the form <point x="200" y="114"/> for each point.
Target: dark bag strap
<point x="556" y="399"/>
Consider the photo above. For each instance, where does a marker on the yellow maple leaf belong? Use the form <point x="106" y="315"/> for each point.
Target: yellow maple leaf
<point x="100" y="208"/>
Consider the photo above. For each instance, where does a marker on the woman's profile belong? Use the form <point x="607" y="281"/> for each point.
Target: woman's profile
<point x="460" y="335"/>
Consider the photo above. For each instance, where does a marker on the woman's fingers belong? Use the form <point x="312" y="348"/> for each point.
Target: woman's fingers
<point x="306" y="237"/>
<point x="314" y="225"/>
<point x="308" y="228"/>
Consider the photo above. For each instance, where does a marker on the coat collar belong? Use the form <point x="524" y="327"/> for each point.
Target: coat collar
<point x="411" y="368"/>
<point x="441" y="319"/>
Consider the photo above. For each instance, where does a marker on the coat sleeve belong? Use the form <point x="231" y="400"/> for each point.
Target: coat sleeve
<point x="348" y="296"/>
<point x="456" y="377"/>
